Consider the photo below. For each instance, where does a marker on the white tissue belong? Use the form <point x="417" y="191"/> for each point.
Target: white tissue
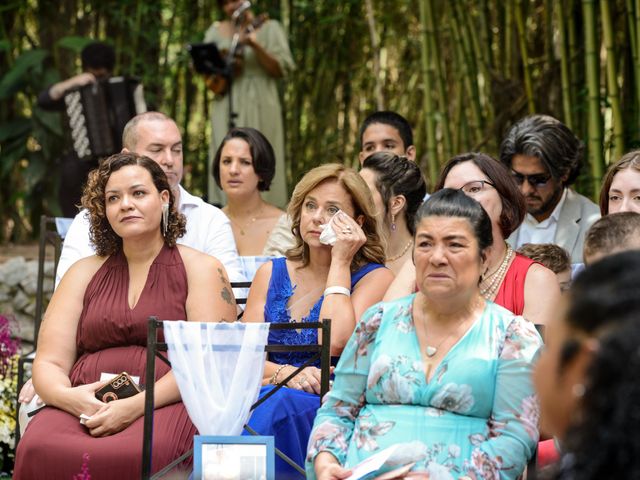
<point x="328" y="235"/>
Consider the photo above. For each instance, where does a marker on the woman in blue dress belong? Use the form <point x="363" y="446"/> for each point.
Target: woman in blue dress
<point x="316" y="280"/>
<point x="443" y="374"/>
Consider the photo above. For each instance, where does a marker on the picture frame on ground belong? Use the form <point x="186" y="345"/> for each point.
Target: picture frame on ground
<point x="218" y="457"/>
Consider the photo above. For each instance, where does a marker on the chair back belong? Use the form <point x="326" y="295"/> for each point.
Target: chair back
<point x="156" y="348"/>
<point x="52" y="233"/>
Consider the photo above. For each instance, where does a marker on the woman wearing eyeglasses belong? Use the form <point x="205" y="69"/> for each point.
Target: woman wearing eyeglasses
<point x="511" y="280"/>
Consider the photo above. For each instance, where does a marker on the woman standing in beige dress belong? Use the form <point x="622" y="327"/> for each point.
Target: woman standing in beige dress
<point x="265" y="57"/>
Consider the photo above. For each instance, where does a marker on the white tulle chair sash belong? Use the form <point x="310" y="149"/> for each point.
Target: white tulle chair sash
<point x="218" y="368"/>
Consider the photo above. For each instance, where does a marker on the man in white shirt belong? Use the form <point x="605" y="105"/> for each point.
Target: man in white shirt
<point x="156" y="136"/>
<point x="545" y="158"/>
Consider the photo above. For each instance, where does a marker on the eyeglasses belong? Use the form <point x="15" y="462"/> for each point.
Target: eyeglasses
<point x="475" y="187"/>
<point x="536" y="180"/>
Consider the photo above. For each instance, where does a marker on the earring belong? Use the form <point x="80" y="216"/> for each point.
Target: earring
<point x="165" y="218"/>
<point x="393" y="222"/>
<point x="578" y="390"/>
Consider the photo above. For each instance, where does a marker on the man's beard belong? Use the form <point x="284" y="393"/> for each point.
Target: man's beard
<point x="547" y="207"/>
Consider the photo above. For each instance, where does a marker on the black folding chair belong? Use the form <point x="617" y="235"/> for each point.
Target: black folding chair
<point x="52" y="238"/>
<point x="154" y="348"/>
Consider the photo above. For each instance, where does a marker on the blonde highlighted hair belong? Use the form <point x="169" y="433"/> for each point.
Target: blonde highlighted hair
<point x="355" y="186"/>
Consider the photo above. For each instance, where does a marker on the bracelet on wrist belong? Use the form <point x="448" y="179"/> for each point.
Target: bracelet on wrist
<point x="274" y="377"/>
<point x="337" y="290"/>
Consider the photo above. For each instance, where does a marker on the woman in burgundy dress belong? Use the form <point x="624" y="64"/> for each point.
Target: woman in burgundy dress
<point x="97" y="322"/>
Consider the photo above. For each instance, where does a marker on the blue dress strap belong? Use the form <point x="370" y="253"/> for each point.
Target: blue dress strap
<point x="362" y="271"/>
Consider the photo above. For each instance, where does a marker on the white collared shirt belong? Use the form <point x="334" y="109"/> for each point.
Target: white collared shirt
<point x="532" y="231"/>
<point x="208" y="231"/>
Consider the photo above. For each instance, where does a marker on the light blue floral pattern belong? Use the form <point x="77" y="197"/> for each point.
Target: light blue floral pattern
<point x="476" y="418"/>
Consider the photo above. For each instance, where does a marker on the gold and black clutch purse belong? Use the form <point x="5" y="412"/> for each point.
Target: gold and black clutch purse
<point x="121" y="386"/>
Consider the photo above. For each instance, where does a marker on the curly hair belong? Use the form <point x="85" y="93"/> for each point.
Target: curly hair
<point x="347" y="178"/>
<point x="397" y="175"/>
<point x="604" y="305"/>
<point x="101" y="234"/>
<point x="628" y="160"/>
<point x="513" y="203"/>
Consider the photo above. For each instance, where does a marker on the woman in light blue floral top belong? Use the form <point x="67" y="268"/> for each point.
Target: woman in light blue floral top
<point x="443" y="372"/>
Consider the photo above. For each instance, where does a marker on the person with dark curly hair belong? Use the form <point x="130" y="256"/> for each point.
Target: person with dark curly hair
<point x="545" y="157"/>
<point x="398" y="188"/>
<point x="587" y="375"/>
<point x="155" y="135"/>
<point x="96" y="323"/>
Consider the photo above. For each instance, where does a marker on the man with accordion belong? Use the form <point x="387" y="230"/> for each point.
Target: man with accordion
<point x="97" y="108"/>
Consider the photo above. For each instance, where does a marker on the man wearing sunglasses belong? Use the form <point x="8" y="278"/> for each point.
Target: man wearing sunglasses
<point x="545" y="158"/>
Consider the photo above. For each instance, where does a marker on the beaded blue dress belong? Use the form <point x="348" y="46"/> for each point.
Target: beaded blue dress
<point x="289" y="414"/>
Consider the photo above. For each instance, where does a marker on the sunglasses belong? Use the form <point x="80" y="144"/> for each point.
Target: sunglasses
<point x="536" y="180"/>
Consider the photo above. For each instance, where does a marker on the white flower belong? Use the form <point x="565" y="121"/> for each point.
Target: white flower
<point x="407" y="453"/>
<point x="438" y="472"/>
<point x="454" y="451"/>
<point x="454" y="398"/>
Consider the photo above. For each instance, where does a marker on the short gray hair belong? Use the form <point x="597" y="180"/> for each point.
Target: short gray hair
<point x="130" y="132"/>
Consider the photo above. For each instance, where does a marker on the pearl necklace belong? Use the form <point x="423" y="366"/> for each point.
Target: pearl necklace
<point x="404" y="250"/>
<point x="496" y="277"/>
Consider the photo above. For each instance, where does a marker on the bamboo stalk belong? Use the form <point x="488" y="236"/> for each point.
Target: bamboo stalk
<point x="636" y="16"/>
<point x="427" y="98"/>
<point x="508" y="38"/>
<point x="573" y="44"/>
<point x="375" y="50"/>
<point x="594" y="122"/>
<point x="522" y="36"/>
<point x="548" y="31"/>
<point x="482" y="62"/>
<point x="432" y="32"/>
<point x="612" y="81"/>
<point x="469" y="74"/>
<point x="632" y="29"/>
<point x="567" y="100"/>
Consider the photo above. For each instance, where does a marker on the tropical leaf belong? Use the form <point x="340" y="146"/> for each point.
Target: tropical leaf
<point x="35" y="172"/>
<point x="74" y="43"/>
<point x="13" y="79"/>
<point x="10" y="155"/>
<point x="14" y="128"/>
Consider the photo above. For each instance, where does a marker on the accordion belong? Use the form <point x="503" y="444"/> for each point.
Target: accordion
<point x="98" y="112"/>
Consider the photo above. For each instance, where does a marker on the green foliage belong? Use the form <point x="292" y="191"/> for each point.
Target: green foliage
<point x="496" y="61"/>
<point x="29" y="63"/>
<point x="73" y="43"/>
